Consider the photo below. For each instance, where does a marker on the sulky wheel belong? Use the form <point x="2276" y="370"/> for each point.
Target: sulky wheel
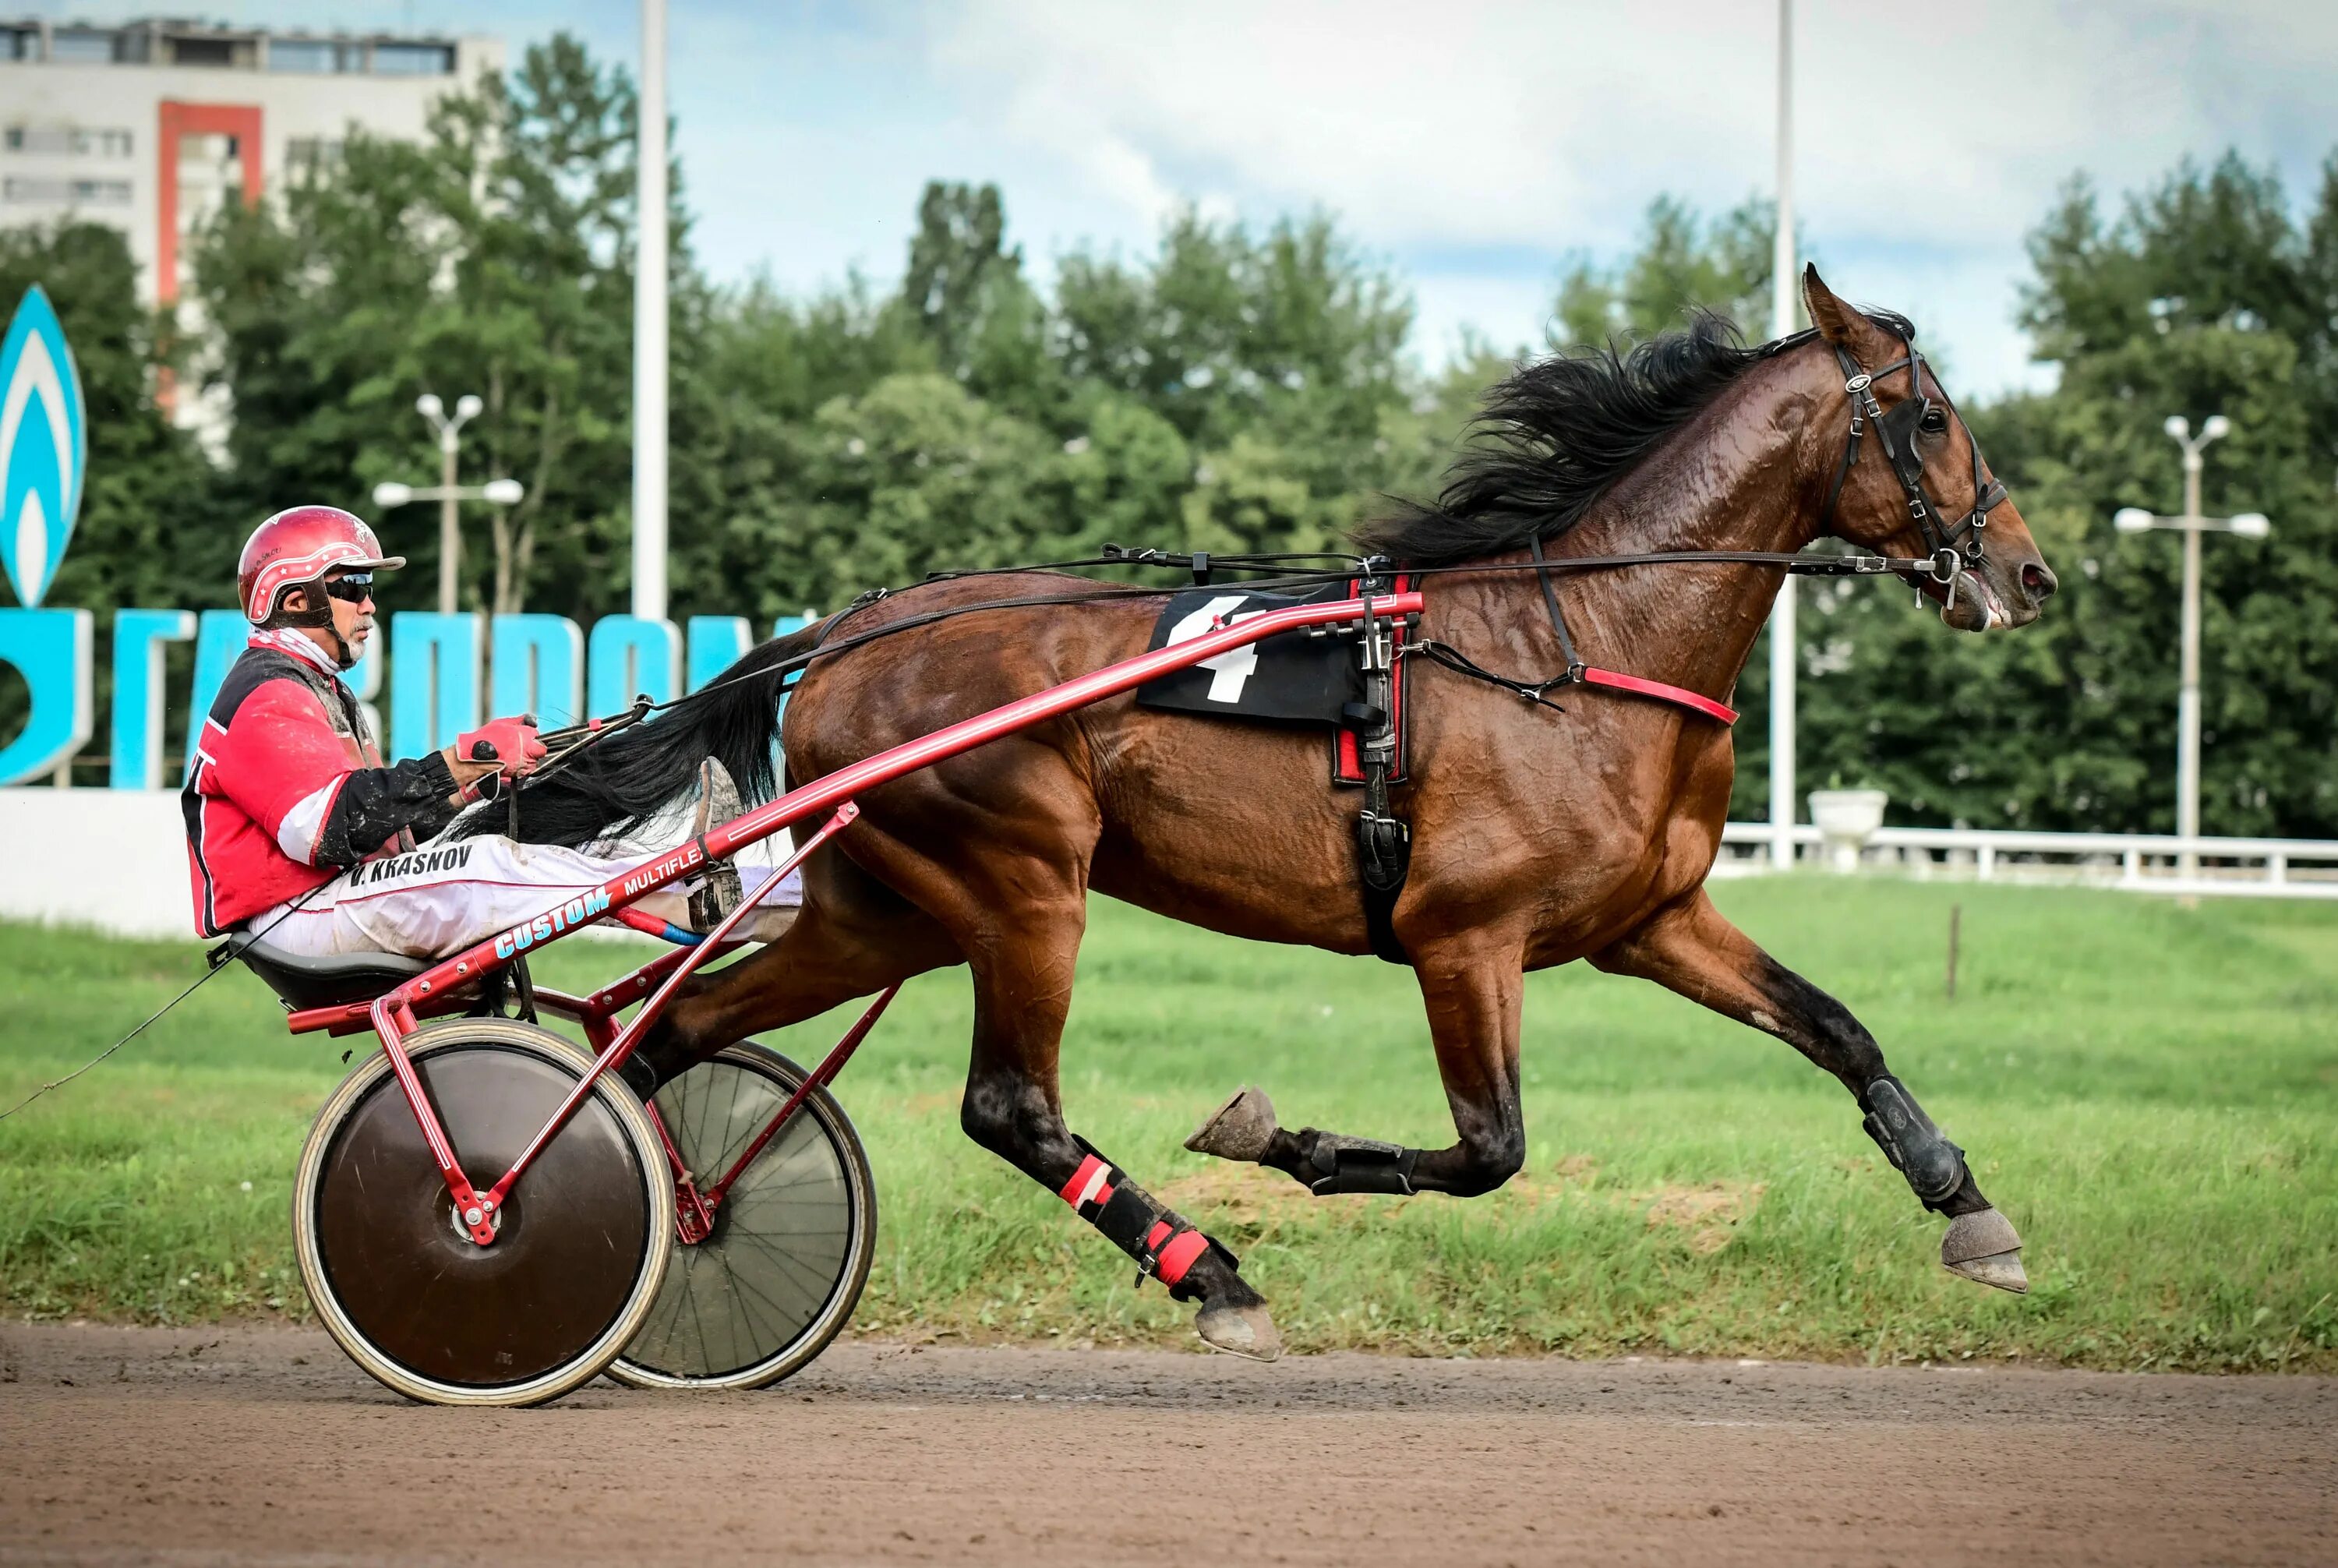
<point x="778" y="1276"/>
<point x="583" y="1236"/>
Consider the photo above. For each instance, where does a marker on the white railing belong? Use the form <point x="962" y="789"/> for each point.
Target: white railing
<point x="2139" y="862"/>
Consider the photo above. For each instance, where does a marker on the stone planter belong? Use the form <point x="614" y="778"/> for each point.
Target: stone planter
<point x="1847" y="819"/>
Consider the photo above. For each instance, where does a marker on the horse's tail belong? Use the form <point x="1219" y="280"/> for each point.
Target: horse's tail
<point x="615" y="786"/>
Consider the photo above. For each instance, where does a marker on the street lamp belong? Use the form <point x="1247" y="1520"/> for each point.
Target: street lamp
<point x="446" y="492"/>
<point x="2192" y="524"/>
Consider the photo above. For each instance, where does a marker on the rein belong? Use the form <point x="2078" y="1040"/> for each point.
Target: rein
<point x="573" y="743"/>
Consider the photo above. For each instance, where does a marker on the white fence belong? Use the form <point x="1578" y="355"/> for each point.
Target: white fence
<point x="2136" y="862"/>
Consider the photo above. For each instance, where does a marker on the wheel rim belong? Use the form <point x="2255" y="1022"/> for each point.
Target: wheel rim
<point x="784" y="1237"/>
<point x="563" y="1268"/>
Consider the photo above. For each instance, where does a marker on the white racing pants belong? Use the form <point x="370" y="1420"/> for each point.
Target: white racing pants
<point x="438" y="900"/>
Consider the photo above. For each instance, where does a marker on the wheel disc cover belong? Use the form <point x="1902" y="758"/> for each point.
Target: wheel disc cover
<point x="563" y="1266"/>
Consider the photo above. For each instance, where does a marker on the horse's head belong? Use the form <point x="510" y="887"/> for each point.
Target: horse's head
<point x="1905" y="477"/>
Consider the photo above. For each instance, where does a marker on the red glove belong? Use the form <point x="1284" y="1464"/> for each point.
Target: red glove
<point x="511" y="742"/>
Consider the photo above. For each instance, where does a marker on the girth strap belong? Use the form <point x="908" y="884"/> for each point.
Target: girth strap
<point x="1383" y="839"/>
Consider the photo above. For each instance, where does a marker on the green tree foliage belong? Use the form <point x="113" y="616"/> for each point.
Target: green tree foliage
<point x="492" y="258"/>
<point x="1684" y="263"/>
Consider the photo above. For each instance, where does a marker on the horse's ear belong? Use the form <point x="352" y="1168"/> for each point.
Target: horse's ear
<point x="1837" y="322"/>
<point x="1830" y="315"/>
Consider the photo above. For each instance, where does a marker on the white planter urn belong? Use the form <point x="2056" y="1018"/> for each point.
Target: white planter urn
<point x="1847" y="819"/>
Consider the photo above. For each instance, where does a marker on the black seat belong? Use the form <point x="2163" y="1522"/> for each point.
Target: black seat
<point x="305" y="982"/>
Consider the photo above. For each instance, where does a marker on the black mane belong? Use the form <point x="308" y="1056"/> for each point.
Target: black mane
<point x="1551" y="439"/>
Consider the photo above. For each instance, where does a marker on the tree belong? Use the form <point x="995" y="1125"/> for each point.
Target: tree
<point x="1683" y="264"/>
<point x="507" y="273"/>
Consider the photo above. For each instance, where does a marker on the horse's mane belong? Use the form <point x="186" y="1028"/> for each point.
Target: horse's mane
<point x="1552" y="437"/>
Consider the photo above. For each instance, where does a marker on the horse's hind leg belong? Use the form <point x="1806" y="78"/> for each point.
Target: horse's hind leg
<point x="853" y="938"/>
<point x="1014" y="1108"/>
<point x="1473" y="991"/>
<point x="1011" y="894"/>
<point x="1690" y="947"/>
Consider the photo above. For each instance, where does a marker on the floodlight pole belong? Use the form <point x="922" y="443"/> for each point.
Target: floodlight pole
<point x="2188" y="692"/>
<point x="1783" y="639"/>
<point x="392" y="493"/>
<point x="650" y="324"/>
<point x="2192" y="524"/>
<point x="450" y="536"/>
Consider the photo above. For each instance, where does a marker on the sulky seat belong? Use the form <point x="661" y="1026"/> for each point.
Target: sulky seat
<point x="304" y="982"/>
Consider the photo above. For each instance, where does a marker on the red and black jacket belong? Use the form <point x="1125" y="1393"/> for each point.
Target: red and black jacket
<point x="287" y="789"/>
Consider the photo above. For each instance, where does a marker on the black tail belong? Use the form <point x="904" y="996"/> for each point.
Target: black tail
<point x="616" y="785"/>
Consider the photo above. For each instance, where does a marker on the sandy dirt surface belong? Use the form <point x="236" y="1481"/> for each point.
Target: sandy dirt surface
<point x="257" y="1445"/>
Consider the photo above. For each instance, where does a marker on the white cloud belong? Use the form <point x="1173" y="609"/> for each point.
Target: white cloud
<point x="1929" y="140"/>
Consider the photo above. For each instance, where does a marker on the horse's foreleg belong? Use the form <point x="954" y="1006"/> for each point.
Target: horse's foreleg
<point x="1689" y="947"/>
<point x="1472" y="996"/>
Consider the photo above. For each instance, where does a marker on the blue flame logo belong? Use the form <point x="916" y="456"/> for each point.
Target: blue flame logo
<point x="44" y="447"/>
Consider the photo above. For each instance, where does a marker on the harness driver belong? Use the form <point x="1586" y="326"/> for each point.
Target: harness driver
<point x="298" y="833"/>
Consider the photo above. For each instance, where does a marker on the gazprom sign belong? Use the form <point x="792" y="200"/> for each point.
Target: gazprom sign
<point x="44" y="447"/>
<point x="446" y="673"/>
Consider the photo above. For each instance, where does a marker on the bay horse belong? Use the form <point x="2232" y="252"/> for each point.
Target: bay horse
<point x="1539" y="837"/>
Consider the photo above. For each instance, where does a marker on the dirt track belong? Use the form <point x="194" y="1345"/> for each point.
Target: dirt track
<point x="257" y="1445"/>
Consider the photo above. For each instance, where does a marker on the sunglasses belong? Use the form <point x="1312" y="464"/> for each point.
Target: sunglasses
<point x="354" y="589"/>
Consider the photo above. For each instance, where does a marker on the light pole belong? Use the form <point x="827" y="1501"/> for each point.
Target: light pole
<point x="650" y="323"/>
<point x="2248" y="525"/>
<point x="446" y="491"/>
<point x="1783" y="634"/>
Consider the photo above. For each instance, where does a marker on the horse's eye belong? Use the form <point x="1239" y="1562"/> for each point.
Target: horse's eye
<point x="1934" y="422"/>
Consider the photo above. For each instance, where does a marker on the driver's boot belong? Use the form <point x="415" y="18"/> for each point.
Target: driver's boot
<point x="718" y="891"/>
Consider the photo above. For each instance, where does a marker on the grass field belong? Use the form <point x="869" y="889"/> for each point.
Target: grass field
<point x="2150" y="1092"/>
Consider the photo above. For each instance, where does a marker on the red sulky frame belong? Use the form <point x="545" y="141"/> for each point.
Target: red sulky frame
<point x="440" y="989"/>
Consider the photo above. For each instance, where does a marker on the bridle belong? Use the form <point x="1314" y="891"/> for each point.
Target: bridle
<point x="1954" y="547"/>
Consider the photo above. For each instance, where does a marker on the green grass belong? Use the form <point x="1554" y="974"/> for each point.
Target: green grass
<point x="2151" y="1093"/>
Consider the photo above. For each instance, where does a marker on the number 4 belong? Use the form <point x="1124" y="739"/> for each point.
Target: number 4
<point x="1232" y="668"/>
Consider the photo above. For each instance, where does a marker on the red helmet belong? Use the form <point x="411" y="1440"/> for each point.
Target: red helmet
<point x="301" y="544"/>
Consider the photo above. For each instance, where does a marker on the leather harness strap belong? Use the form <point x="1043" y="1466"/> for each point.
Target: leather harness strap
<point x="1578" y="673"/>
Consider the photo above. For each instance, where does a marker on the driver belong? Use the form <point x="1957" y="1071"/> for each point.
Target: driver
<point x="298" y="833"/>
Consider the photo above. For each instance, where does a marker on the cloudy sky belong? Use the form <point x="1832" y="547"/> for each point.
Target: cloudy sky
<point x="1474" y="147"/>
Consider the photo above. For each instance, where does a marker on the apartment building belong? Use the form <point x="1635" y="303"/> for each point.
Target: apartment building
<point x="148" y="125"/>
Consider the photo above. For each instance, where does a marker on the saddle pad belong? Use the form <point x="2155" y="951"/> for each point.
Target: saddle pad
<point x="1295" y="677"/>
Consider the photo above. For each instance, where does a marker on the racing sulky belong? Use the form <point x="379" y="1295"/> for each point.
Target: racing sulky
<point x="1577" y="823"/>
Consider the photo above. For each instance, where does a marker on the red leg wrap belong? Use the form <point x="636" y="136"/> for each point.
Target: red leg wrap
<point x="1091" y="1184"/>
<point x="1181" y="1254"/>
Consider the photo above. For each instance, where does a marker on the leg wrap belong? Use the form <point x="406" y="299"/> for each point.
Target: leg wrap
<point x="1917" y="1149"/>
<point x="1162" y="1243"/>
<point x="1335" y="1162"/>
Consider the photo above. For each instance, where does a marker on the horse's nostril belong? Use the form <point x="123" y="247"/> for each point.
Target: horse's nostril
<point x="2039" y="579"/>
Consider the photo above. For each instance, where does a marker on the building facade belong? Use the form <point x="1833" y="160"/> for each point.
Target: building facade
<point x="148" y="127"/>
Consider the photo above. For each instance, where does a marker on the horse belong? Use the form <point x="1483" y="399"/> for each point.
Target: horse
<point x="1539" y="837"/>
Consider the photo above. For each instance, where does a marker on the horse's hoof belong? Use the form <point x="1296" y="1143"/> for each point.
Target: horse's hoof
<point x="1241" y="1129"/>
<point x="1245" y="1331"/>
<point x="1984" y="1246"/>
